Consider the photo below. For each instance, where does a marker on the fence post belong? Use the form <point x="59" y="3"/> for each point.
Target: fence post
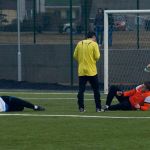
<point x="85" y="17"/>
<point x="19" y="49"/>
<point x="71" y="47"/>
<point x="34" y="21"/>
<point x="138" y="39"/>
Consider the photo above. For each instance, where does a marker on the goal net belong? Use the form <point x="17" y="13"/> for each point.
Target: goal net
<point x="126" y="47"/>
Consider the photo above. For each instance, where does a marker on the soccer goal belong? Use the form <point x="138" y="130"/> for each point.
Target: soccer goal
<point x="126" y="47"/>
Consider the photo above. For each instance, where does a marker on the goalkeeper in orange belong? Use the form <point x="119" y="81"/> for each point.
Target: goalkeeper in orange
<point x="135" y="99"/>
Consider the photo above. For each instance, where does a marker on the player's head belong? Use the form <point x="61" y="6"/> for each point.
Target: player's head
<point x="91" y="35"/>
<point x="99" y="10"/>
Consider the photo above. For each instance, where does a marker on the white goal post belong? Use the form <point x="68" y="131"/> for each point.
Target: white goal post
<point x="106" y="28"/>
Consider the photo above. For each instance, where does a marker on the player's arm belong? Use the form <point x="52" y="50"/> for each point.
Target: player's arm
<point x="133" y="91"/>
<point x="75" y="55"/>
<point x="96" y="52"/>
<point x="146" y="105"/>
<point x="129" y="93"/>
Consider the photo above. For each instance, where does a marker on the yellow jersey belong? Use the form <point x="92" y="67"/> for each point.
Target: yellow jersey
<point x="87" y="53"/>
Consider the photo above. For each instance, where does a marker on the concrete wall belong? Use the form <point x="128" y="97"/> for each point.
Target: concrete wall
<point x="51" y="64"/>
<point x="40" y="63"/>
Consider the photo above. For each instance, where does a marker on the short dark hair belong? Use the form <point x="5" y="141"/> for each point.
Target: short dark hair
<point x="147" y="84"/>
<point x="100" y="9"/>
<point x="90" y="34"/>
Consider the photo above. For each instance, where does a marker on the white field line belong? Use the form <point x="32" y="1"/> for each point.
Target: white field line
<point x="45" y="93"/>
<point x="74" y="116"/>
<point x="65" y="98"/>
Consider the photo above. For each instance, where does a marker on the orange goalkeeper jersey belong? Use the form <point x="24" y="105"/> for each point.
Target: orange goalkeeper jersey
<point x="137" y="96"/>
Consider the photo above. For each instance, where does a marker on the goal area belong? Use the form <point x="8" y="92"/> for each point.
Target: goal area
<point x="126" y="47"/>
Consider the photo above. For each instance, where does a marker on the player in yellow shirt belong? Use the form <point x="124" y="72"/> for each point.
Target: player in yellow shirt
<point x="87" y="54"/>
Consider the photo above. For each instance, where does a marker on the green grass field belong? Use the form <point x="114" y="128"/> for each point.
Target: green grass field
<point x="41" y="132"/>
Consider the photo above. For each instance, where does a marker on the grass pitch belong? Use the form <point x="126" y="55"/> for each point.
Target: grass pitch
<point x="72" y="132"/>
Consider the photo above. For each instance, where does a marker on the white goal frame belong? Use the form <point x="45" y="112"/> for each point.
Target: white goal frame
<point x="106" y="13"/>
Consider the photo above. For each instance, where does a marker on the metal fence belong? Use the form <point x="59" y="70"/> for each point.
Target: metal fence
<point x="49" y="30"/>
<point x="40" y="19"/>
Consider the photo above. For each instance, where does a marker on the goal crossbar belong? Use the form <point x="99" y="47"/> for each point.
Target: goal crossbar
<point x="106" y="13"/>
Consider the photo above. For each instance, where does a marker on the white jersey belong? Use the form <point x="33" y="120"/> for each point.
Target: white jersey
<point x="147" y="100"/>
<point x="3" y="105"/>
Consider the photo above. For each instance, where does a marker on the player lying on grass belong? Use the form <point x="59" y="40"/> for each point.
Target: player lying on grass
<point x="135" y="99"/>
<point x="9" y="103"/>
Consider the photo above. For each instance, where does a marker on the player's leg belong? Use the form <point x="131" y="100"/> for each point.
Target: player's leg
<point x="125" y="105"/>
<point x="95" y="86"/>
<point x="113" y="93"/>
<point x="17" y="104"/>
<point x="82" y="84"/>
